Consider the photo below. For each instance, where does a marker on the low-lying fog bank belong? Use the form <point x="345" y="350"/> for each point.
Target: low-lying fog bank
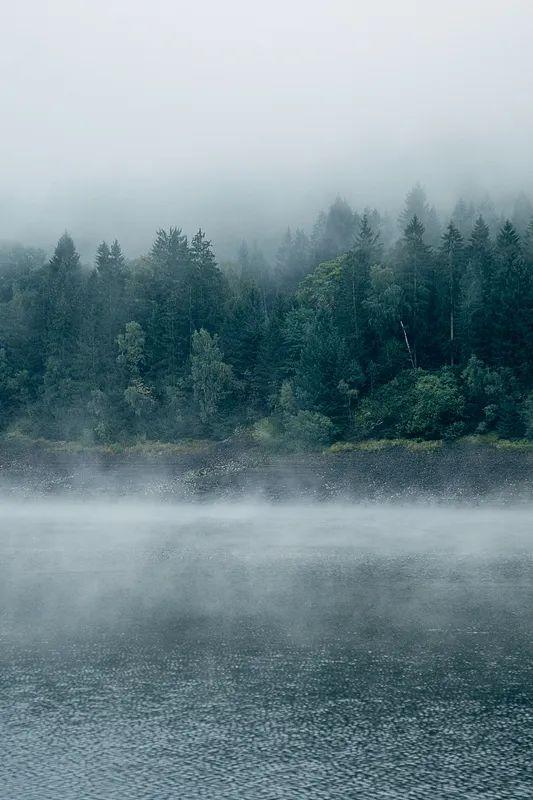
<point x="67" y="562"/>
<point x="448" y="472"/>
<point x="254" y="650"/>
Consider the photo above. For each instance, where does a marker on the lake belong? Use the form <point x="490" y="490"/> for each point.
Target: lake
<point x="254" y="652"/>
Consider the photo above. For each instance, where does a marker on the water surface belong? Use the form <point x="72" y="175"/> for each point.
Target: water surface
<point x="251" y="652"/>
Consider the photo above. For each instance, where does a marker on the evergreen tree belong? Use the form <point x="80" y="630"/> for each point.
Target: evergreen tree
<point x="208" y="289"/>
<point x="272" y="357"/>
<point x="166" y="304"/>
<point x="355" y="288"/>
<point x="416" y="205"/>
<point x="335" y="232"/>
<point x="452" y="257"/>
<point x="463" y="217"/>
<point x="522" y="213"/>
<point x="61" y="295"/>
<point x="415" y="272"/>
<point x="242" y="334"/>
<point x="511" y="305"/>
<point x="476" y="294"/>
<point x="528" y="244"/>
<point x="324" y="369"/>
<point x="111" y="301"/>
<point x="292" y="259"/>
<point x="211" y="377"/>
<point x="346" y="338"/>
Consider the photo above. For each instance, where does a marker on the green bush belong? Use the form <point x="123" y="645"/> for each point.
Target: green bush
<point x="304" y="430"/>
<point x="307" y="430"/>
<point x="437" y="408"/>
<point x="266" y="433"/>
<point x="416" y="404"/>
<point x="493" y="400"/>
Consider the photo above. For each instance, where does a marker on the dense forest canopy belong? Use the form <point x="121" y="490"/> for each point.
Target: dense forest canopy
<point x="353" y="332"/>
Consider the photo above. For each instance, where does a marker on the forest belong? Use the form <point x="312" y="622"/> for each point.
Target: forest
<point x="350" y="333"/>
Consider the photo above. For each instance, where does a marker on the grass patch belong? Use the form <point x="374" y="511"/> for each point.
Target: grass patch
<point x="184" y="447"/>
<point x="76" y="447"/>
<point x="375" y="445"/>
<point x="493" y="440"/>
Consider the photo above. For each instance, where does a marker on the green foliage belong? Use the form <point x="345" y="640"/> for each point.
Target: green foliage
<point x="425" y="339"/>
<point x="139" y="398"/>
<point x="267" y="433"/>
<point x="325" y="369"/>
<point x="415" y="276"/>
<point x="131" y="348"/>
<point x="437" y="408"/>
<point x="212" y="379"/>
<point x="415" y="404"/>
<point x="293" y="428"/>
<point x="13" y="388"/>
<point x="493" y="399"/>
<point x="307" y="430"/>
<point x="377" y="445"/>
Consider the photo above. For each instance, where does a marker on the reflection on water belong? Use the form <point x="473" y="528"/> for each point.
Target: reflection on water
<point x="250" y="652"/>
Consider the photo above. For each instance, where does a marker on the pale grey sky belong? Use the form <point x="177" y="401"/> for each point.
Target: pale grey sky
<point x="122" y="115"/>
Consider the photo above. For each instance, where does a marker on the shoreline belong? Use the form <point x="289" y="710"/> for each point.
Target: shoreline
<point x="467" y="471"/>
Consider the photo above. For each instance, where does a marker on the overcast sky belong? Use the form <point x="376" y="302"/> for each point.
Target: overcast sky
<point x="122" y="115"/>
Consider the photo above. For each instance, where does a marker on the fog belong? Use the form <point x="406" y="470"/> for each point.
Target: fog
<point x="122" y="116"/>
<point x="70" y="565"/>
<point x="247" y="650"/>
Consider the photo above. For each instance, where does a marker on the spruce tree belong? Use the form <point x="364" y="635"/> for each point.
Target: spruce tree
<point x="476" y="295"/>
<point x="452" y="262"/>
<point x="62" y="298"/>
<point x="207" y="285"/>
<point x="511" y="306"/>
<point x="355" y="288"/>
<point x="415" y="274"/>
<point x="167" y="304"/>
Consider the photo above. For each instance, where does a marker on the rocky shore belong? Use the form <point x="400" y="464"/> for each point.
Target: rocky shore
<point x="448" y="472"/>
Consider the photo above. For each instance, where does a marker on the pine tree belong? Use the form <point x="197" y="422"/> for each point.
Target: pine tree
<point x="167" y="303"/>
<point x="242" y="334"/>
<point x="452" y="258"/>
<point x="284" y="257"/>
<point x="243" y="260"/>
<point x="62" y="297"/>
<point x="355" y="288"/>
<point x="208" y="288"/>
<point x="415" y="273"/>
<point x="211" y="376"/>
<point x="511" y="304"/>
<point x="416" y="205"/>
<point x="476" y="295"/>
<point x="318" y="251"/>
<point x="463" y="217"/>
<point x="522" y="213"/>
<point x="272" y="357"/>
<point x="112" y="308"/>
<point x="336" y="232"/>
<point x="300" y="257"/>
<point x="293" y="259"/>
<point x="324" y="370"/>
<point x="528" y="244"/>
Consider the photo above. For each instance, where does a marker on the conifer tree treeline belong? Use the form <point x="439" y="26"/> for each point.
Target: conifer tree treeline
<point x="350" y="334"/>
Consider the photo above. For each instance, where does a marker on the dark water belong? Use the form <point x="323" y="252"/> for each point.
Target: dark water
<point x="253" y="653"/>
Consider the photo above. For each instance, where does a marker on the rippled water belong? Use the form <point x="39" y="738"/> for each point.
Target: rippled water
<point x="251" y="652"/>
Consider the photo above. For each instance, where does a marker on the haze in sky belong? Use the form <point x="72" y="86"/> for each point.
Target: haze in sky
<point x="120" y="116"/>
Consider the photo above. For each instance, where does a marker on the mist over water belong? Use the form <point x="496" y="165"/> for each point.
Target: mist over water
<point x="256" y="651"/>
<point x="156" y="644"/>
